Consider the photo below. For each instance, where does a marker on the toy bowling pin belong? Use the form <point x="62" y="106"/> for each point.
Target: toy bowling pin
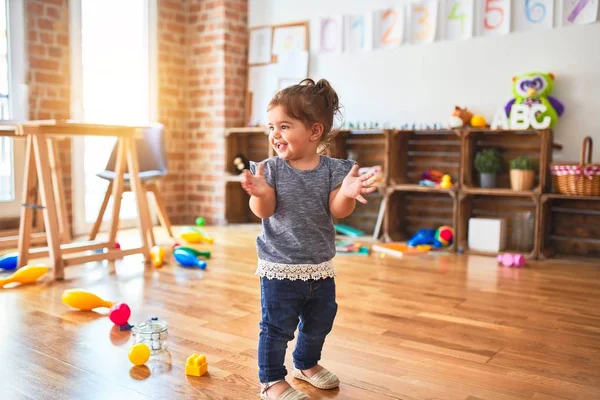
<point x="8" y="262"/>
<point x="158" y="256"/>
<point x="187" y="259"/>
<point x="119" y="315"/>
<point x="196" y="253"/>
<point x="27" y="274"/>
<point x="195" y="236"/>
<point x="83" y="300"/>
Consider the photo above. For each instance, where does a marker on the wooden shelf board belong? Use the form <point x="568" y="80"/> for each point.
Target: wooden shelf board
<point x="498" y="192"/>
<point x="569" y="197"/>
<point x="233" y="178"/>
<point x="243" y="130"/>
<point x="411" y="187"/>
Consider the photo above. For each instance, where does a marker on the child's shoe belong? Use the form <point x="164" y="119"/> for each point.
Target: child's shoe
<point x="323" y="379"/>
<point x="289" y="394"/>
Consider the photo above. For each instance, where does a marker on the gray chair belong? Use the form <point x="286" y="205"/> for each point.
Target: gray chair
<point x="152" y="156"/>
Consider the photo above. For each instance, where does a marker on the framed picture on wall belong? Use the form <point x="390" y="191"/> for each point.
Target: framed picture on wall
<point x="291" y="37"/>
<point x="260" y="42"/>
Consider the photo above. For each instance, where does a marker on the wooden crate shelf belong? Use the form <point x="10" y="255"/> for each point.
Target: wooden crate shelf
<point x="414" y="152"/>
<point x="368" y="148"/>
<point x="536" y="145"/>
<point x="237" y="207"/>
<point x="410" y="210"/>
<point x="365" y="216"/>
<point x="520" y="213"/>
<point x="252" y="143"/>
<point x="569" y="227"/>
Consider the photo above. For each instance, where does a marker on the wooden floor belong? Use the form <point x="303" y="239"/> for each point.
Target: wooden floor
<point x="428" y="327"/>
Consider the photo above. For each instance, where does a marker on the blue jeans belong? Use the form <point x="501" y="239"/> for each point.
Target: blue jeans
<point x="284" y="303"/>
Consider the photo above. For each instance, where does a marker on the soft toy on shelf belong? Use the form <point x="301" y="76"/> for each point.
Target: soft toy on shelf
<point x="535" y="88"/>
<point x="460" y="117"/>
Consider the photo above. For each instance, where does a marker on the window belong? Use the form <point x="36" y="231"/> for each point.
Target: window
<point x="113" y="82"/>
<point x="13" y="104"/>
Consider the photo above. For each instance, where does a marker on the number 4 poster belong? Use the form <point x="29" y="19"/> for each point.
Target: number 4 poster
<point x="580" y="12"/>
<point x="423" y="21"/>
<point x="495" y="18"/>
<point x="534" y="15"/>
<point x="459" y="19"/>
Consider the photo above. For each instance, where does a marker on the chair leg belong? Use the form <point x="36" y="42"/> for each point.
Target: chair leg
<point x="162" y="210"/>
<point x="98" y="222"/>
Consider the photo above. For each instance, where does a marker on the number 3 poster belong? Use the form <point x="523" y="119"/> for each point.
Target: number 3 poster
<point x="495" y="17"/>
<point x="423" y="21"/>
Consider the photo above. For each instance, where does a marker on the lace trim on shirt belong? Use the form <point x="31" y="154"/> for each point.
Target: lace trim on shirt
<point x="271" y="270"/>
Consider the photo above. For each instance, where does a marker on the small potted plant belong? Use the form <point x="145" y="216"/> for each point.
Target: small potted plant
<point x="488" y="162"/>
<point x="522" y="173"/>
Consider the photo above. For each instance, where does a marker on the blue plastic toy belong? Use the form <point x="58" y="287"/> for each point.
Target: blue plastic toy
<point x="187" y="259"/>
<point x="8" y="262"/>
<point x="425" y="236"/>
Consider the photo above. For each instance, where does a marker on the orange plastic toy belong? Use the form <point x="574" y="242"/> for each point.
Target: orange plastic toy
<point x="83" y="300"/>
<point x="139" y="354"/>
<point x="27" y="274"/>
<point x="196" y="237"/>
<point x="158" y="256"/>
<point x="196" y="365"/>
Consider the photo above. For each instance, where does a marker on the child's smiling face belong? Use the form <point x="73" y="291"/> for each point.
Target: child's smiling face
<point x="290" y="138"/>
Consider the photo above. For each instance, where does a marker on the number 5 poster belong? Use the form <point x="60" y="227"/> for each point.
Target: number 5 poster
<point x="459" y="19"/>
<point x="423" y="21"/>
<point x="495" y="18"/>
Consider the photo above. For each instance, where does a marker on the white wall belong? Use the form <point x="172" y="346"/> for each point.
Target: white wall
<point x="423" y="83"/>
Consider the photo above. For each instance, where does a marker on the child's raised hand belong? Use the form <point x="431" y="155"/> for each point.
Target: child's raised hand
<point x="355" y="185"/>
<point x="255" y="185"/>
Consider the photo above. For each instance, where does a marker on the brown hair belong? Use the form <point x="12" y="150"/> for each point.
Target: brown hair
<point x="311" y="103"/>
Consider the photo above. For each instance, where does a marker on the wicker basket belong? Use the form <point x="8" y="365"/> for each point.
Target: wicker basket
<point x="581" y="179"/>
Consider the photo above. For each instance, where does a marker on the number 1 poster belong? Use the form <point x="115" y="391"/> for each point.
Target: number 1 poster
<point x="459" y="19"/>
<point x="358" y="32"/>
<point x="495" y="17"/>
<point x="534" y="15"/>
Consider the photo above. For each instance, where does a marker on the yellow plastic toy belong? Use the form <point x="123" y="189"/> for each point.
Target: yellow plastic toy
<point x="478" y="121"/>
<point x="139" y="354"/>
<point x="158" y="256"/>
<point x="446" y="182"/>
<point x="83" y="300"/>
<point x="27" y="274"/>
<point x="196" y="365"/>
<point x="196" y="237"/>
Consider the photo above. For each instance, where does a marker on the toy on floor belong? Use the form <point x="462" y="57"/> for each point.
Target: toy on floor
<point x="512" y="260"/>
<point x="175" y="245"/>
<point x="200" y="221"/>
<point x="187" y="259"/>
<point x="347" y="247"/>
<point x="119" y="315"/>
<point x="399" y="249"/>
<point x="25" y="275"/>
<point x="139" y="354"/>
<point x="438" y="238"/>
<point x="157" y="253"/>
<point x="196" y="253"/>
<point x="196" y="365"/>
<point x="8" y="262"/>
<point x="84" y="300"/>
<point x="153" y="333"/>
<point x="348" y="230"/>
<point x="195" y="236"/>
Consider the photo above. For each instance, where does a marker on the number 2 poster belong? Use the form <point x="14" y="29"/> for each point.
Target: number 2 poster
<point x="389" y="27"/>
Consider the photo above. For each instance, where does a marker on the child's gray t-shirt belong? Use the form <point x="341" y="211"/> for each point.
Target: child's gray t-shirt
<point x="298" y="240"/>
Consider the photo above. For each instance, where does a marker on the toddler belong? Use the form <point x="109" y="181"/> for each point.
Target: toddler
<point x="297" y="194"/>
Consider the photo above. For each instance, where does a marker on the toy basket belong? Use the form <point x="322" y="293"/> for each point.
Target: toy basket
<point x="581" y="179"/>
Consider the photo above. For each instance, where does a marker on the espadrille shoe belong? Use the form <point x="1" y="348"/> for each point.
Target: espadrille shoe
<point x="290" y="394"/>
<point x="323" y="379"/>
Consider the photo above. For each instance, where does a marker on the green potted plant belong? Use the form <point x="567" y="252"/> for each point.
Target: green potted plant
<point x="522" y="173"/>
<point x="488" y="163"/>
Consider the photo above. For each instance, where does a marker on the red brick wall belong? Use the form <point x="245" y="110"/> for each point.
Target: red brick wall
<point x="47" y="45"/>
<point x="173" y="102"/>
<point x="216" y="73"/>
